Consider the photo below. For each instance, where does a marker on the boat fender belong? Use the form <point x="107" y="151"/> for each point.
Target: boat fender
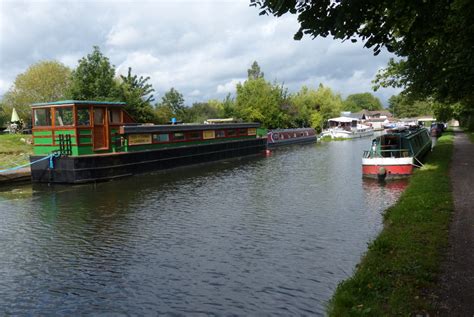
<point x="382" y="173"/>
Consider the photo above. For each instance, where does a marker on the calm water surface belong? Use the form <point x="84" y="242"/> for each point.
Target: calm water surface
<point x="259" y="236"/>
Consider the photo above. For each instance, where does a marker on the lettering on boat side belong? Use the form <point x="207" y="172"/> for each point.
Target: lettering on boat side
<point x="209" y="134"/>
<point x="137" y="139"/>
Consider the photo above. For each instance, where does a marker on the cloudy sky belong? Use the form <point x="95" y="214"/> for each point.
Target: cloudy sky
<point x="202" y="48"/>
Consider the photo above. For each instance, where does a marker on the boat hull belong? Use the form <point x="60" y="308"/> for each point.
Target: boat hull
<point x="301" y="140"/>
<point x="343" y="134"/>
<point x="387" y="167"/>
<point x="94" y="168"/>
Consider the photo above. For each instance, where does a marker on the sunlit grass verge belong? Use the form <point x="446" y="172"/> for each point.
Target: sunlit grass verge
<point x="14" y="150"/>
<point x="470" y="134"/>
<point x="397" y="275"/>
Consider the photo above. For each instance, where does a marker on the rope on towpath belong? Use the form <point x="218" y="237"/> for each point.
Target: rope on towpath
<point x="48" y="157"/>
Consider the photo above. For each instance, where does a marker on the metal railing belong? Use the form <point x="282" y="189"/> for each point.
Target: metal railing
<point x="386" y="153"/>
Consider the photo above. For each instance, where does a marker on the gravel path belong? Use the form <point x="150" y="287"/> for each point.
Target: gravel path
<point x="457" y="280"/>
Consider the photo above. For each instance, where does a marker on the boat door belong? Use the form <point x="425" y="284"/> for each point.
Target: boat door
<point x="100" y="129"/>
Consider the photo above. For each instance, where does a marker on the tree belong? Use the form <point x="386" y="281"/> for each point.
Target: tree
<point x="201" y="111"/>
<point x="163" y="114"/>
<point x="362" y="101"/>
<point x="93" y="79"/>
<point x="175" y="101"/>
<point x="137" y="93"/>
<point x="433" y="39"/>
<point x="254" y="71"/>
<point x="315" y="106"/>
<point x="401" y="106"/>
<point x="42" y="82"/>
<point x="260" y="101"/>
<point x="3" y="116"/>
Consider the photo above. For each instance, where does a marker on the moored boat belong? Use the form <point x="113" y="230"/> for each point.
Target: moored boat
<point x="96" y="141"/>
<point x="394" y="154"/>
<point x="347" y="128"/>
<point x="290" y="136"/>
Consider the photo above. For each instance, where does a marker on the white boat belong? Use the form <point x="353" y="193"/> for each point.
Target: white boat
<point x="347" y="128"/>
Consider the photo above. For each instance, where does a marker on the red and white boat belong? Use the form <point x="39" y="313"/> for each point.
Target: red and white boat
<point x="394" y="154"/>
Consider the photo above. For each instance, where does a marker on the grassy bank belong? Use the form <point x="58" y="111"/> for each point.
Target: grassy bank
<point x="396" y="277"/>
<point x="470" y="134"/>
<point x="13" y="150"/>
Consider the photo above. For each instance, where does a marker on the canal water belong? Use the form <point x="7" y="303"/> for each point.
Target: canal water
<point x="257" y="236"/>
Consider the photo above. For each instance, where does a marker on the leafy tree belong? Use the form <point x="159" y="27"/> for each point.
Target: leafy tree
<point x="42" y="82"/>
<point x="433" y="39"/>
<point x="163" y="114"/>
<point x="137" y="93"/>
<point x="3" y="116"/>
<point x="93" y="79"/>
<point x="175" y="101"/>
<point x="254" y="71"/>
<point x="315" y="106"/>
<point x="201" y="111"/>
<point x="260" y="101"/>
<point x="362" y="101"/>
<point x="228" y="105"/>
<point x="401" y="106"/>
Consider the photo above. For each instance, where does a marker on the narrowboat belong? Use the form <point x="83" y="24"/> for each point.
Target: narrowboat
<point x="347" y="128"/>
<point x="89" y="141"/>
<point x="290" y="136"/>
<point x="394" y="154"/>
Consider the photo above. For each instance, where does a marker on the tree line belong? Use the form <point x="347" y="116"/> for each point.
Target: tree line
<point x="433" y="41"/>
<point x="256" y="99"/>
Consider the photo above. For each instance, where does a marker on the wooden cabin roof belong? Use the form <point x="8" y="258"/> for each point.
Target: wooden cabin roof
<point x="78" y="102"/>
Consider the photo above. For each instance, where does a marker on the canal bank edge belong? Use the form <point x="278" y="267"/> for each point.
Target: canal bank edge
<point x="398" y="274"/>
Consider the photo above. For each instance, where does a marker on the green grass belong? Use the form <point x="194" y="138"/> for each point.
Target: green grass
<point x="470" y="134"/>
<point x="397" y="275"/>
<point x="14" y="151"/>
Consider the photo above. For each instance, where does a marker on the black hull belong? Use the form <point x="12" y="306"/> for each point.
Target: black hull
<point x="303" y="140"/>
<point x="93" y="168"/>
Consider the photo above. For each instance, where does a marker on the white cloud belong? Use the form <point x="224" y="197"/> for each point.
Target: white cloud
<point x="193" y="46"/>
<point x="195" y="92"/>
<point x="228" y="87"/>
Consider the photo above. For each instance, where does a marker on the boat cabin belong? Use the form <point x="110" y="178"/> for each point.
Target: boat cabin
<point x="75" y="128"/>
<point x="344" y="123"/>
<point x="400" y="142"/>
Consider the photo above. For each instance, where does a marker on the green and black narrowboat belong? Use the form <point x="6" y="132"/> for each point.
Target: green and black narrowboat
<point x="394" y="154"/>
<point x="88" y="141"/>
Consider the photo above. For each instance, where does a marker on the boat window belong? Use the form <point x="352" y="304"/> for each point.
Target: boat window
<point x="195" y="135"/>
<point x="83" y="117"/>
<point x="178" y="136"/>
<point x="63" y="117"/>
<point x="231" y="133"/>
<point x="43" y="117"/>
<point x="242" y="131"/>
<point x="220" y="134"/>
<point x="114" y="116"/>
<point x="163" y="137"/>
<point x="98" y="116"/>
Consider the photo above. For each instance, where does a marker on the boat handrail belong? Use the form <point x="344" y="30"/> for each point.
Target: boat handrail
<point x="389" y="153"/>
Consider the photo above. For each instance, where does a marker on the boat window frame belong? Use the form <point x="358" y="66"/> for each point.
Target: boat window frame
<point x="220" y="134"/>
<point x="194" y="135"/>
<point x="174" y="139"/>
<point x="154" y="141"/>
<point x="49" y="109"/>
<point x="78" y="124"/>
<point x="231" y="133"/>
<point x="57" y="117"/>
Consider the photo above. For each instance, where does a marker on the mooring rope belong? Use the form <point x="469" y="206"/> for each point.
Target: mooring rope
<point x="49" y="157"/>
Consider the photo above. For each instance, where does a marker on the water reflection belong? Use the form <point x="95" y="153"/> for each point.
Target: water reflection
<point x="261" y="235"/>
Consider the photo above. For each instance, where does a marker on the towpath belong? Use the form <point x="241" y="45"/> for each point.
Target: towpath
<point x="457" y="280"/>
